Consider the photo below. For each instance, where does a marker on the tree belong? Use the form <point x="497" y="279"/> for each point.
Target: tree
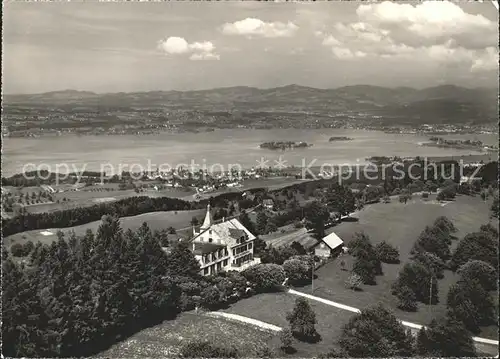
<point x="476" y="246"/>
<point x="286" y="339"/>
<point x="407" y="299"/>
<point x="316" y="216"/>
<point x="367" y="264"/>
<point x="470" y="303"/>
<point x="271" y="227"/>
<point x="480" y="271"/>
<point x="445" y="224"/>
<point x="387" y="253"/>
<point x="364" y="268"/>
<point x="299" y="248"/>
<point x="494" y="206"/>
<point x="181" y="261"/>
<point x="375" y="333"/>
<point x="340" y="199"/>
<point x="447" y="193"/>
<point x="447" y="337"/>
<point x="434" y="241"/>
<point x="262" y="222"/>
<point x="302" y="320"/>
<point x="245" y="221"/>
<point x="418" y="278"/>
<point x="431" y="261"/>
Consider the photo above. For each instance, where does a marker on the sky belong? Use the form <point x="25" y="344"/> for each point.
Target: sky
<point x="149" y="46"/>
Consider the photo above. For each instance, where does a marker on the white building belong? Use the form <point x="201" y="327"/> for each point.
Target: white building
<point x="223" y="246"/>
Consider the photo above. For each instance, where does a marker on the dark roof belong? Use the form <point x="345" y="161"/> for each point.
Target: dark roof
<point x="204" y="248"/>
<point x="237" y="233"/>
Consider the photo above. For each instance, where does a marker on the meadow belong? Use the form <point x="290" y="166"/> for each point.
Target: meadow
<point x="400" y="225"/>
<point x="165" y="340"/>
<point x="155" y="221"/>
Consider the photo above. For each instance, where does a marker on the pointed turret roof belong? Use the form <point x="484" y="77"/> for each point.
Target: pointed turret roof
<point x="207" y="222"/>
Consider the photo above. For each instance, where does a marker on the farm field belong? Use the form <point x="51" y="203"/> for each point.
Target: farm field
<point x="155" y="220"/>
<point x="165" y="340"/>
<point x="400" y="225"/>
<point x="273" y="307"/>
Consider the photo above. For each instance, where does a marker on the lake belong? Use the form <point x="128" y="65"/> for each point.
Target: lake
<point x="223" y="147"/>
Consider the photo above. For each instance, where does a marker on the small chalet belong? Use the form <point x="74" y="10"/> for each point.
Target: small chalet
<point x="329" y="246"/>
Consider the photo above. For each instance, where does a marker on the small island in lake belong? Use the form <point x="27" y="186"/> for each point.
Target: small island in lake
<point x="340" y="138"/>
<point x="460" y="144"/>
<point x="283" y="145"/>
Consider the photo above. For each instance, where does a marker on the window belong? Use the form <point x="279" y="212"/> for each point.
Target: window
<point x="249" y="245"/>
<point x="225" y="262"/>
<point x="210" y="240"/>
<point x="205" y="271"/>
<point x="234" y="252"/>
<point x="209" y="231"/>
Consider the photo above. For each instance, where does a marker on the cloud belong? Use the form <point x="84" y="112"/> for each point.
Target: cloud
<point x="344" y="53"/>
<point x="330" y="41"/>
<point x="204" y="56"/>
<point x="256" y="27"/>
<point x="487" y="61"/>
<point x="174" y="45"/>
<point x="437" y="33"/>
<point x="199" y="50"/>
<point x="430" y="22"/>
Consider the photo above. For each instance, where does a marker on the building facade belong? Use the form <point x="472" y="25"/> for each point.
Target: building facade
<point x="223" y="246"/>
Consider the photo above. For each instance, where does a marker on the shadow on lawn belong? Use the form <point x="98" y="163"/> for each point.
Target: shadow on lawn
<point x="350" y="219"/>
<point x="311" y="339"/>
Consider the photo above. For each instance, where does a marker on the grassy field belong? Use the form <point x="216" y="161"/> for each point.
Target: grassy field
<point x="273" y="307"/>
<point x="400" y="225"/>
<point x="155" y="220"/>
<point x="165" y="340"/>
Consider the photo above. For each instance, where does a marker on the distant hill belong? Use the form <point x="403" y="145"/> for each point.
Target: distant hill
<point x="447" y="102"/>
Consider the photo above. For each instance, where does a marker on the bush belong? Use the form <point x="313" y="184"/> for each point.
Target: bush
<point x="265" y="277"/>
<point x="387" y="253"/>
<point x="354" y="282"/>
<point x="211" y="298"/>
<point x="205" y="349"/>
<point x="286" y="339"/>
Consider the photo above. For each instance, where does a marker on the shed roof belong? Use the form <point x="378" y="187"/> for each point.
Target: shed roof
<point x="332" y="240"/>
